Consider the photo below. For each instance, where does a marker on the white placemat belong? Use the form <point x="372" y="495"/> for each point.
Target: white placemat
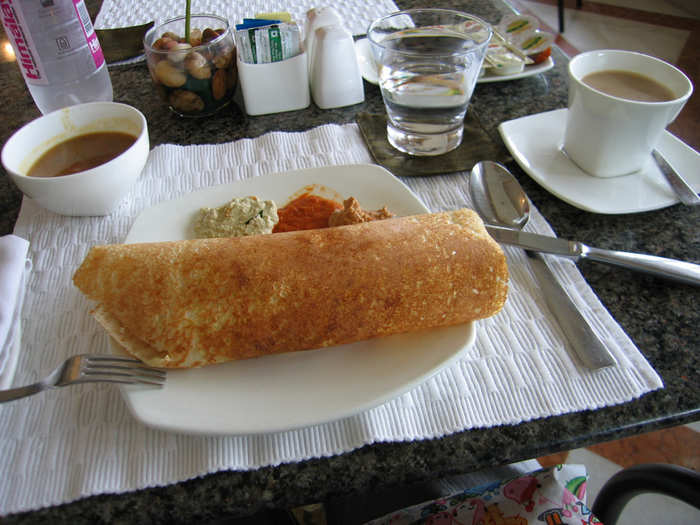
<point x="73" y="442"/>
<point x="14" y="270"/>
<point x="357" y="14"/>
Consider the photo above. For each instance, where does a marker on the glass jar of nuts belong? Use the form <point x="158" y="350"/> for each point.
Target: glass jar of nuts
<point x="195" y="74"/>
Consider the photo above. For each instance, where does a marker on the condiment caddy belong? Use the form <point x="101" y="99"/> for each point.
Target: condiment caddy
<point x="325" y="68"/>
<point x="275" y="87"/>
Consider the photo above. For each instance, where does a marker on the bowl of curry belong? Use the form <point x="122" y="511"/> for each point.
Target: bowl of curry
<point x="80" y="160"/>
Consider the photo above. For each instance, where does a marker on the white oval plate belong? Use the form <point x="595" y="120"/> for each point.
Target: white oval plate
<point x="283" y="392"/>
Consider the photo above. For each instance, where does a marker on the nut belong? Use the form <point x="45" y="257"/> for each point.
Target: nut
<point x="223" y="59"/>
<point x="208" y="35"/>
<point x="218" y="84"/>
<point x="195" y="37"/>
<point x="177" y="52"/>
<point x="169" y="75"/>
<point x="197" y="66"/>
<point x="186" y="101"/>
<point x="171" y="35"/>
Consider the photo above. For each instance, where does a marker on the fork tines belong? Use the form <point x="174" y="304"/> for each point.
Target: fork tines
<point x="121" y="370"/>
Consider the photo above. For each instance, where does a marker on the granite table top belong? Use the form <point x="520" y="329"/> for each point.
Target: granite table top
<point x="661" y="317"/>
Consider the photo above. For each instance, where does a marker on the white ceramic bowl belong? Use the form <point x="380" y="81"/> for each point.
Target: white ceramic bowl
<point x="96" y="191"/>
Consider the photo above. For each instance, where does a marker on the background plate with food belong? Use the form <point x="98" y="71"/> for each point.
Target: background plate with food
<point x="518" y="49"/>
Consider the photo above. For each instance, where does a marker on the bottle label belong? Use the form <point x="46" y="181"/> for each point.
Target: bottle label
<point x="89" y="32"/>
<point x="25" y="50"/>
<point x="64" y="46"/>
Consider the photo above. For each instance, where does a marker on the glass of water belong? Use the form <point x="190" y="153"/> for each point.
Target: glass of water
<point x="429" y="61"/>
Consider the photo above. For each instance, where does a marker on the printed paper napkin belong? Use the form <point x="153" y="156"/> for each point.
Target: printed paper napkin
<point x="554" y="496"/>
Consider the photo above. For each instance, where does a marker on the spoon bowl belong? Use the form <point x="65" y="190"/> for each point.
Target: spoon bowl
<point x="497" y="196"/>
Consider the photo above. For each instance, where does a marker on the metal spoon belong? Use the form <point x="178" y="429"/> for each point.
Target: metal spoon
<point x="500" y="201"/>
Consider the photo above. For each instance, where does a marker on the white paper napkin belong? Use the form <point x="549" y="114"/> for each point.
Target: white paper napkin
<point x="14" y="267"/>
<point x="69" y="443"/>
<point x="356" y="14"/>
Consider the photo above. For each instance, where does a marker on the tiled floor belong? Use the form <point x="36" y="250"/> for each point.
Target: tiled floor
<point x="679" y="446"/>
<point x="667" y="29"/>
<point x="588" y="29"/>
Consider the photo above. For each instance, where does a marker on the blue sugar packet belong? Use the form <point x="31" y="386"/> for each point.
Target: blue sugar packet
<point x="255" y="22"/>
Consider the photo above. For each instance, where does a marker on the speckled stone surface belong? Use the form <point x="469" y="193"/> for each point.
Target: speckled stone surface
<point x="662" y="318"/>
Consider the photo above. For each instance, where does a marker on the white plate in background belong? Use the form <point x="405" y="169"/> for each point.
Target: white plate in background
<point x="534" y="69"/>
<point x="368" y="67"/>
<point x="287" y="391"/>
<point x="535" y="143"/>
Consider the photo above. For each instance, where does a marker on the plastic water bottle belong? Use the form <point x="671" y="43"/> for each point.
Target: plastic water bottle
<point x="57" y="51"/>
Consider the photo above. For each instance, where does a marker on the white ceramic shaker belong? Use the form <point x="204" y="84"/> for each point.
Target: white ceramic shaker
<point x="315" y="18"/>
<point x="335" y="75"/>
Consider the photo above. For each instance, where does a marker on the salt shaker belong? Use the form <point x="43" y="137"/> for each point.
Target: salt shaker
<point x="335" y="74"/>
<point x="316" y="18"/>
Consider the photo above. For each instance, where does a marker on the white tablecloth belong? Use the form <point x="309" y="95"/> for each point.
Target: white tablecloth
<point x="356" y="14"/>
<point x="73" y="442"/>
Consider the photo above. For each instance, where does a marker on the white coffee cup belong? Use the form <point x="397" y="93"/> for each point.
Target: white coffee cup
<point x="608" y="136"/>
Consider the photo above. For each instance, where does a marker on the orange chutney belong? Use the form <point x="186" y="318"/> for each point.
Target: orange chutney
<point x="306" y="212"/>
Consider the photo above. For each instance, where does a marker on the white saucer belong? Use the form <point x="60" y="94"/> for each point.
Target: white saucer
<point x="535" y="143"/>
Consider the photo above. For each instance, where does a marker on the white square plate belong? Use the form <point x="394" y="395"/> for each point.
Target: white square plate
<point x="287" y="391"/>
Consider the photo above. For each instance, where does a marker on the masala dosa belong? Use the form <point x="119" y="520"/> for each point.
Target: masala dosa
<point x="192" y="303"/>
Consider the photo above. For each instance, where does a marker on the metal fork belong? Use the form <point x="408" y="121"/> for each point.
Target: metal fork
<point x="91" y="368"/>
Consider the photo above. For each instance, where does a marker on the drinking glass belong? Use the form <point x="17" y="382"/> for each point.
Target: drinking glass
<point x="429" y="61"/>
<point x="195" y="78"/>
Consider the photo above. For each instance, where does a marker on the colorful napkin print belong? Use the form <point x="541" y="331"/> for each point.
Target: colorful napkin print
<point x="551" y="496"/>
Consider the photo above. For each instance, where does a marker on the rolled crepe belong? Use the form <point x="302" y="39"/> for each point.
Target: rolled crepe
<point x="192" y="303"/>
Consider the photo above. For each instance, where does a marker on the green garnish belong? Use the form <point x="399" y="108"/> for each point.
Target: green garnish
<point x="259" y="214"/>
<point x="188" y="16"/>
